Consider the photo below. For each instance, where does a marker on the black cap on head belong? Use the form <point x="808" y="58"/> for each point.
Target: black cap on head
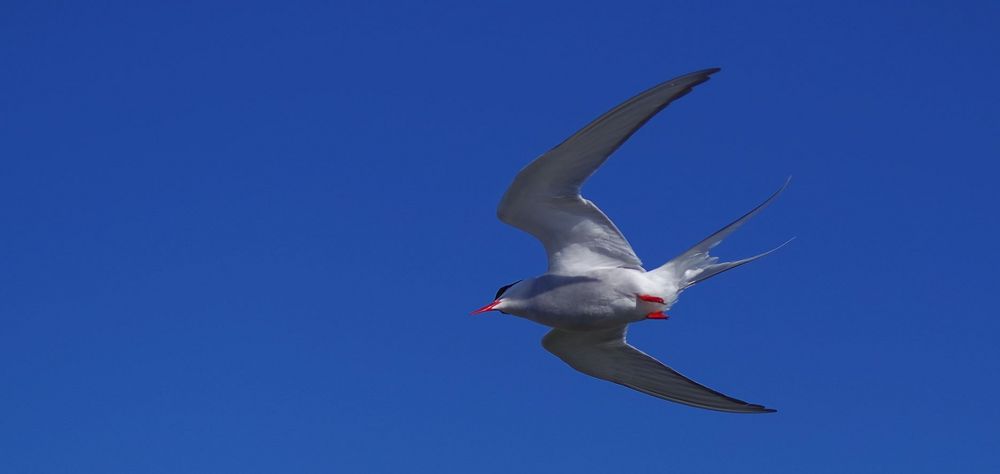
<point x="504" y="288"/>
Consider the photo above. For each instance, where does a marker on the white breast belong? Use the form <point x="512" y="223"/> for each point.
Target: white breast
<point x="597" y="299"/>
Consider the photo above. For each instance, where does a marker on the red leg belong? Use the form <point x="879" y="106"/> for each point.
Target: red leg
<point x="651" y="299"/>
<point x="657" y="315"/>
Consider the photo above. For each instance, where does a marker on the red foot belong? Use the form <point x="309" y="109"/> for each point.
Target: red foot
<point x="651" y="299"/>
<point x="657" y="315"/>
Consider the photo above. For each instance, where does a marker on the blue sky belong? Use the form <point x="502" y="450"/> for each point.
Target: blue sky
<point x="245" y="237"/>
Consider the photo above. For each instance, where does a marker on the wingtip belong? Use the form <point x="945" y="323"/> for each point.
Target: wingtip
<point x="703" y="74"/>
<point x="691" y="79"/>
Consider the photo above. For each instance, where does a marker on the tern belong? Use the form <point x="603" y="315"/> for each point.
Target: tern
<point x="595" y="285"/>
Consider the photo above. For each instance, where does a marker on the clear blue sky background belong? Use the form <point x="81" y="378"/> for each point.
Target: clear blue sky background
<point x="245" y="237"/>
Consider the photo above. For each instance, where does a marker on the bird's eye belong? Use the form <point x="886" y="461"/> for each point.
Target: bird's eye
<point x="504" y="288"/>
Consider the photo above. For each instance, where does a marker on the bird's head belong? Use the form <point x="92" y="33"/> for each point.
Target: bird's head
<point x="499" y="302"/>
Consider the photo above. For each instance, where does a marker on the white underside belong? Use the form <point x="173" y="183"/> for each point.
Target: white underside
<point x="596" y="299"/>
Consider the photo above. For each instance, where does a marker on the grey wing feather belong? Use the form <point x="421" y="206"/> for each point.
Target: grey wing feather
<point x="544" y="200"/>
<point x="570" y="163"/>
<point x="605" y="354"/>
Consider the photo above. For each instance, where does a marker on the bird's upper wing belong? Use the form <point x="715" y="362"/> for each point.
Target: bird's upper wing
<point x="544" y="199"/>
<point x="605" y="354"/>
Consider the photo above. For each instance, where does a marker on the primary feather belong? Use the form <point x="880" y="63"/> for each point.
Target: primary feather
<point x="544" y="200"/>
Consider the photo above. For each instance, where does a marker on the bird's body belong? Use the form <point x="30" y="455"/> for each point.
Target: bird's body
<point x="595" y="285"/>
<point x="601" y="298"/>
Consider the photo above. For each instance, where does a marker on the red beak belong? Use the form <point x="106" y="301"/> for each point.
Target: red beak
<point x="486" y="308"/>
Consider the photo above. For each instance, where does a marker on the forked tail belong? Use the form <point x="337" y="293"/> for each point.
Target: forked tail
<point x="696" y="264"/>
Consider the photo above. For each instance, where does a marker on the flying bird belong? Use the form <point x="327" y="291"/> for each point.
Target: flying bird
<point x="595" y="285"/>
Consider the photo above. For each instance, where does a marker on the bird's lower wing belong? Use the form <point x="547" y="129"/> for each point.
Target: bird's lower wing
<point x="605" y="354"/>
